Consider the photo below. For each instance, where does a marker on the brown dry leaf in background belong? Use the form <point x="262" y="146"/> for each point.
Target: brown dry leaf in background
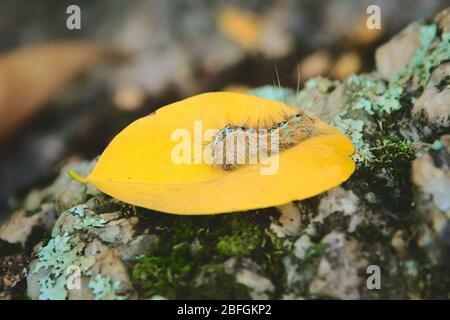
<point x="347" y="64"/>
<point x="129" y="98"/>
<point x="255" y="33"/>
<point x="244" y="27"/>
<point x="29" y="76"/>
<point x="315" y="64"/>
<point x="364" y="36"/>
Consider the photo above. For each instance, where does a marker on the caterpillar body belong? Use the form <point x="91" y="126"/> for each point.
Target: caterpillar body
<point x="239" y="144"/>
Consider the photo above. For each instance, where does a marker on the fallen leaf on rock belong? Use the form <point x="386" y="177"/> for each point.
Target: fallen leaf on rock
<point x="138" y="166"/>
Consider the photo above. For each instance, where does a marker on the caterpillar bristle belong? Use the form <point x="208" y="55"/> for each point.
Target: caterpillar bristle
<point x="289" y="132"/>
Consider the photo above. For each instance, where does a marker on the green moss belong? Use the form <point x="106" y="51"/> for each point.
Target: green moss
<point x="149" y="274"/>
<point x="367" y="233"/>
<point x="387" y="175"/>
<point x="166" y="273"/>
<point x="187" y="244"/>
<point x="393" y="156"/>
<point x="172" y="267"/>
<point x="241" y="243"/>
<point x="157" y="277"/>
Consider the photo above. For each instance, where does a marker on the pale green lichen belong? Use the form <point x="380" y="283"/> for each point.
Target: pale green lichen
<point x="412" y="268"/>
<point x="56" y="257"/>
<point x="53" y="291"/>
<point x="373" y="95"/>
<point x="437" y="145"/>
<point x="62" y="252"/>
<point x="416" y="68"/>
<point x="158" y="297"/>
<point x="78" y="210"/>
<point x="425" y="59"/>
<point x="354" y="129"/>
<point x="376" y="97"/>
<point x="272" y="92"/>
<point x="82" y="222"/>
<point x="440" y="54"/>
<point x="314" y="95"/>
<point x="104" y="288"/>
<point x="89" y="222"/>
<point x="323" y="84"/>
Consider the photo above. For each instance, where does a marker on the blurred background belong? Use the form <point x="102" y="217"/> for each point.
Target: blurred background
<point x="65" y="93"/>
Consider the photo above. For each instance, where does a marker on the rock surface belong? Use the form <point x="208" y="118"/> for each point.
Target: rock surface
<point x="434" y="102"/>
<point x="431" y="175"/>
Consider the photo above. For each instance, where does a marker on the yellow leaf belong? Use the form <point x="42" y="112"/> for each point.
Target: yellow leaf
<point x="137" y="167"/>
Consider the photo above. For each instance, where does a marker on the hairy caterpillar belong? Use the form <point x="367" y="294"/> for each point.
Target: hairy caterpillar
<point x="240" y="144"/>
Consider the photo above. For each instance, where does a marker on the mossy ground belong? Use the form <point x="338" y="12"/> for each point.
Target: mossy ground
<point x="190" y="246"/>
